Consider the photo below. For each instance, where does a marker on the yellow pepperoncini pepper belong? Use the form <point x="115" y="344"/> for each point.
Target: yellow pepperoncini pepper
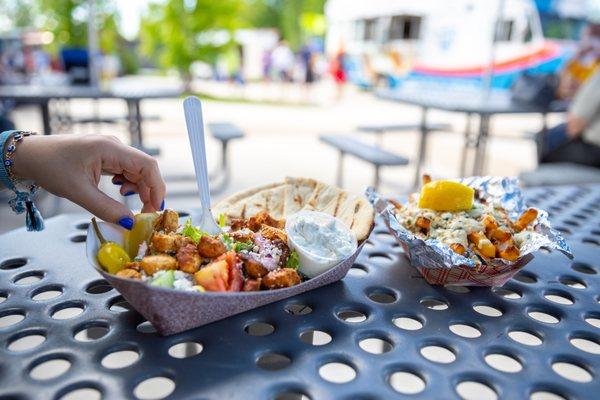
<point x="110" y="256"/>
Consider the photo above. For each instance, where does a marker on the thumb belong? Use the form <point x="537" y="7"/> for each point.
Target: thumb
<point x="103" y="206"/>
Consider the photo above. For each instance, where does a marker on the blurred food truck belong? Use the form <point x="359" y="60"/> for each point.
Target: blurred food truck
<point x="387" y="42"/>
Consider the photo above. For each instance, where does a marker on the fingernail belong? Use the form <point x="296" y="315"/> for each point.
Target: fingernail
<point x="126" y="222"/>
<point x="162" y="205"/>
<point x="118" y="183"/>
<point x="129" y="193"/>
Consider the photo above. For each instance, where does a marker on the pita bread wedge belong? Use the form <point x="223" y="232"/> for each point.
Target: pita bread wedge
<point x="297" y="193"/>
<point x="294" y="194"/>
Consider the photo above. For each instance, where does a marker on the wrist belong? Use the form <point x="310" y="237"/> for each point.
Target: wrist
<point x="21" y="168"/>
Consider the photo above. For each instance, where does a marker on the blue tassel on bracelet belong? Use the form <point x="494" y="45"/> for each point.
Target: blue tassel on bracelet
<point x="23" y="202"/>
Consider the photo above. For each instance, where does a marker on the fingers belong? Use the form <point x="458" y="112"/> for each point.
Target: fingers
<point x="128" y="189"/>
<point x="143" y="171"/>
<point x="102" y="206"/>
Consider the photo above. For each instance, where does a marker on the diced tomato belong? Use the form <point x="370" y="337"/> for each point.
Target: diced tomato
<point x="214" y="277"/>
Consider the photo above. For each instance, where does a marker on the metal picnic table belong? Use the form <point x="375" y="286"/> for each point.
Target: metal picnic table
<point x="133" y="96"/>
<point x="380" y="333"/>
<point x="470" y="102"/>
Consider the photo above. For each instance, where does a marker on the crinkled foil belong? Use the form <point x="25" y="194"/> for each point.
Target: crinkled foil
<point x="440" y="265"/>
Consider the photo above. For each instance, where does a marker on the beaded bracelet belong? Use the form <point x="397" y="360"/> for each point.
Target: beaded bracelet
<point x="24" y="190"/>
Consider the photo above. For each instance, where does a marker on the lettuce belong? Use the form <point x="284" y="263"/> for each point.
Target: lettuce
<point x="293" y="261"/>
<point x="192" y="232"/>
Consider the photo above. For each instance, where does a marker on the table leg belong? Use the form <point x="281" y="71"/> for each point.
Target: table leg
<point x="45" y="109"/>
<point x="481" y="144"/>
<point x="135" y="127"/>
<point x="422" y="149"/>
<point x="466" y="145"/>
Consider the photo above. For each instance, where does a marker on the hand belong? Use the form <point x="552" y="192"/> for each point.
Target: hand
<point x="70" y="166"/>
<point x="575" y="126"/>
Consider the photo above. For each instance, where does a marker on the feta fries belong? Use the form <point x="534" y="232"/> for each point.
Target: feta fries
<point x="482" y="232"/>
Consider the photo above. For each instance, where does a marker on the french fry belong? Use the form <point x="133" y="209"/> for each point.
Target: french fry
<point x="426" y="179"/>
<point x="396" y="204"/>
<point x="423" y="223"/>
<point x="458" y="248"/>
<point x="525" y="219"/>
<point x="501" y="235"/>
<point x="508" y="251"/>
<point x="482" y="244"/>
<point x="490" y="224"/>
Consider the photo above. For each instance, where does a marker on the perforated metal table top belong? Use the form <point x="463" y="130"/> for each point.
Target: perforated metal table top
<point x="416" y="342"/>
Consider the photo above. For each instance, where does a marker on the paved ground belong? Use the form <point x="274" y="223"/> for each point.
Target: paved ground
<point x="282" y="125"/>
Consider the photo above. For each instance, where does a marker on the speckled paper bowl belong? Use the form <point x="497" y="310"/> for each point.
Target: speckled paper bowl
<point x="172" y="311"/>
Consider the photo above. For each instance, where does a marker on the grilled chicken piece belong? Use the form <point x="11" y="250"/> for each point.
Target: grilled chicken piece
<point x="164" y="242"/>
<point x="151" y="264"/>
<point x="129" y="274"/>
<point x="134" y="265"/>
<point x="281" y="278"/>
<point x="253" y="268"/>
<point x="263" y="218"/>
<point x="188" y="258"/>
<point x="251" y="285"/>
<point x="271" y="233"/>
<point x="210" y="247"/>
<point x="168" y="221"/>
<point x="237" y="224"/>
<point x="244" y="235"/>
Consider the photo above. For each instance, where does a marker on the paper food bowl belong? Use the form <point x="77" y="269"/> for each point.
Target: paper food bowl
<point x="172" y="311"/>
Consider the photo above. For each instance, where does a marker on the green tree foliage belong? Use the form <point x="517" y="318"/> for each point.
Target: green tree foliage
<point x="296" y="20"/>
<point x="68" y="19"/>
<point x="178" y="32"/>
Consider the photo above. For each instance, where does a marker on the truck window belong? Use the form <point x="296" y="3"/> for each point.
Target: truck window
<point x="504" y="30"/>
<point x="405" y="27"/>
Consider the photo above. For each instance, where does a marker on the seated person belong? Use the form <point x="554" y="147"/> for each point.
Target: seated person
<point x="577" y="141"/>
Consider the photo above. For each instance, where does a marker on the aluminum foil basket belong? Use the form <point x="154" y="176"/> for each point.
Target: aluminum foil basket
<point x="439" y="265"/>
<point x="172" y="311"/>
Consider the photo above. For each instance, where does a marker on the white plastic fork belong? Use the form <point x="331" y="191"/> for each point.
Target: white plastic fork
<point x="193" y="119"/>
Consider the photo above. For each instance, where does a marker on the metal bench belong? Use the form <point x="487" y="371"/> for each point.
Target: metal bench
<point x="366" y="152"/>
<point x="379" y="130"/>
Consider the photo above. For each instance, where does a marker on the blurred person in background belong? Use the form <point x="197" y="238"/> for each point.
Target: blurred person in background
<point x="338" y="72"/>
<point x="307" y="58"/>
<point x="578" y="140"/>
<point x="282" y="61"/>
<point x="584" y="63"/>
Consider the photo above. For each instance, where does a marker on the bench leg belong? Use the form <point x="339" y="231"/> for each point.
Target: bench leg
<point x="376" y="178"/>
<point x="340" y="171"/>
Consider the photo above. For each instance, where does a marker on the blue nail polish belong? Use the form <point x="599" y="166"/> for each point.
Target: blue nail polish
<point x="162" y="205"/>
<point x="129" y="193"/>
<point x="126" y="222"/>
<point x="119" y="183"/>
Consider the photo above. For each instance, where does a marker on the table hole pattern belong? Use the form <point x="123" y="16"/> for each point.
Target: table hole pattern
<point x="474" y="390"/>
<point x="406" y="382"/>
<point x="185" y="349"/>
<point x="315" y="337"/>
<point x="91" y="331"/>
<point x="291" y="395"/>
<point x="273" y="361"/>
<point x="337" y="372"/>
<point x="408" y="323"/>
<point x="154" y="388"/>
<point x="320" y="332"/>
<point x="375" y="345"/>
<point x="49" y="368"/>
<point x="86" y="393"/>
<point x="26" y="340"/>
<point x="464" y="330"/>
<point x="545" y="395"/>
<point x="120" y="359"/>
<point x="503" y="362"/>
<point x="438" y="354"/>
<point x="259" y="329"/>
